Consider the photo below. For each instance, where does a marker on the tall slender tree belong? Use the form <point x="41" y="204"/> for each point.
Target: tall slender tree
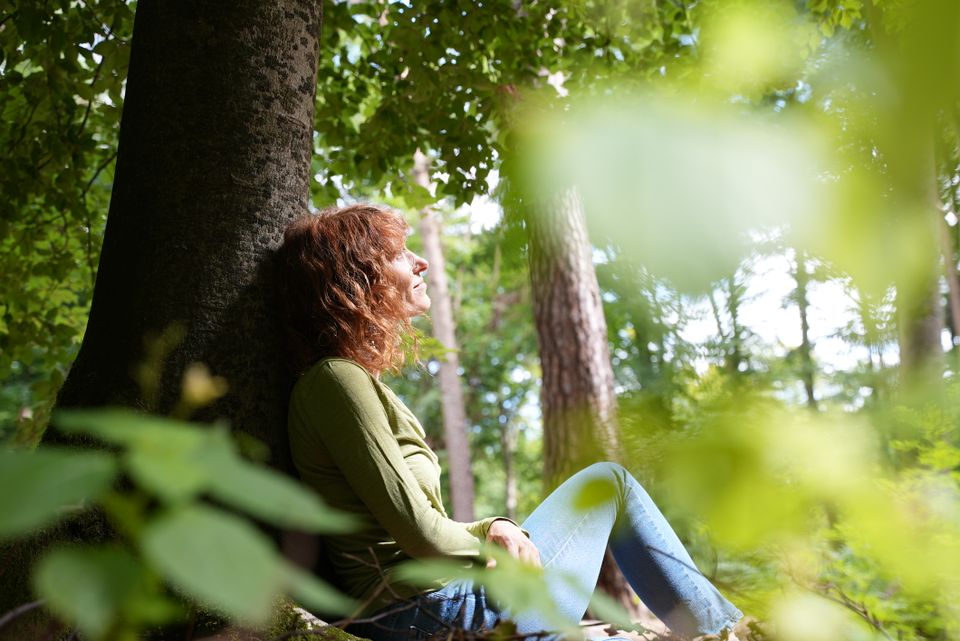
<point x="949" y="254"/>
<point x="444" y="330"/>
<point x="805" y="351"/>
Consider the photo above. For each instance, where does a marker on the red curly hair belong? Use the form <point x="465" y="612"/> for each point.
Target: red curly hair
<point x="335" y="297"/>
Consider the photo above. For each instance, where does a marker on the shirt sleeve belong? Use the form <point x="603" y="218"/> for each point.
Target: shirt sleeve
<point x="356" y="431"/>
<point x="480" y="528"/>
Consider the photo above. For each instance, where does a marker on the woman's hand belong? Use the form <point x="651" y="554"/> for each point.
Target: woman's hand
<point x="512" y="539"/>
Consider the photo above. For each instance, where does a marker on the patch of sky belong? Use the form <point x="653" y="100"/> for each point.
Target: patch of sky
<point x="519" y="375"/>
<point x="353" y="51"/>
<point x="689" y="39"/>
<point x="362" y="18"/>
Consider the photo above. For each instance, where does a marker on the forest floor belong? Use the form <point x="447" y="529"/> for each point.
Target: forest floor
<point x="657" y="630"/>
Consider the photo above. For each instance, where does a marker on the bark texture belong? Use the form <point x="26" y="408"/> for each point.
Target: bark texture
<point x="213" y="161"/>
<point x="578" y="400"/>
<point x="444" y="330"/>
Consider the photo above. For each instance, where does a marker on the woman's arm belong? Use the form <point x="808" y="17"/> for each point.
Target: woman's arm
<point x="345" y="412"/>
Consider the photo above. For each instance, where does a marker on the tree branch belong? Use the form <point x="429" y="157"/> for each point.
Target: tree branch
<point x="23" y="609"/>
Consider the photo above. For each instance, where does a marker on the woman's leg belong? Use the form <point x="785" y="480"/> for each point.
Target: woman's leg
<point x="460" y="605"/>
<point x="572" y="542"/>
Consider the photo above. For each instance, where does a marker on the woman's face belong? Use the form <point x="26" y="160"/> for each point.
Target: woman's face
<point x="406" y="273"/>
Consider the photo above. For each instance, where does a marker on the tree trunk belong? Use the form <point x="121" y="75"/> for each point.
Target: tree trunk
<point x="920" y="315"/>
<point x="734" y="303"/>
<point x="508" y="433"/>
<point x="919" y="303"/>
<point x="213" y="161"/>
<point x="867" y="309"/>
<point x="577" y="397"/>
<point x="807" y="368"/>
<point x="508" y="443"/>
<point x="451" y="393"/>
<point x="950" y="273"/>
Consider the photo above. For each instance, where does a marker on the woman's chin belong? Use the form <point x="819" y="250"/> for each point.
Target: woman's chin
<point x="419" y="308"/>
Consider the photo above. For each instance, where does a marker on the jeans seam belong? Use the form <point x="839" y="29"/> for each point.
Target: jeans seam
<point x="569" y="538"/>
<point x="683" y="567"/>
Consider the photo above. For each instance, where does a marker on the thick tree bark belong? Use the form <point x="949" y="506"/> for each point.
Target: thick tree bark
<point x="578" y="400"/>
<point x="213" y="161"/>
<point x="451" y="393"/>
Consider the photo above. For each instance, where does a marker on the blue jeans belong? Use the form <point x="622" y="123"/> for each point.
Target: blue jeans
<point x="571" y="544"/>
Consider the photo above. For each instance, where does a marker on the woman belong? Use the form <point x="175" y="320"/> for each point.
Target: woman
<point x="350" y="287"/>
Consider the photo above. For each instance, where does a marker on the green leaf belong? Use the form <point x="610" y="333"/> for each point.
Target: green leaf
<point x="593" y="493"/>
<point x="318" y="594"/>
<point x="170" y="469"/>
<point x="608" y="609"/>
<point x="273" y="497"/>
<point x="432" y="573"/>
<point x="511" y="581"/>
<point x="41" y="486"/>
<point x="218" y="559"/>
<point x="89" y="587"/>
<point x="176" y="461"/>
<point x="127" y="427"/>
<point x="165" y="456"/>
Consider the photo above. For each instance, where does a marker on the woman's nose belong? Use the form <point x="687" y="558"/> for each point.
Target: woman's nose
<point x="420" y="264"/>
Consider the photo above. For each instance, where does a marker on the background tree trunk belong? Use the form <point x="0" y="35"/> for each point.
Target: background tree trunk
<point x="920" y="307"/>
<point x="920" y="315"/>
<point x="508" y="443"/>
<point x="213" y="161"/>
<point x="451" y="393"/>
<point x="949" y="253"/>
<point x="577" y="397"/>
<point x="807" y="366"/>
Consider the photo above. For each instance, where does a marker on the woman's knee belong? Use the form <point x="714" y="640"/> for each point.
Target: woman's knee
<point x="606" y="469"/>
<point x="616" y="473"/>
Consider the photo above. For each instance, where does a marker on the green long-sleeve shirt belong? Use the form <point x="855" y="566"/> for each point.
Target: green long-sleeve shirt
<point x="363" y="451"/>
